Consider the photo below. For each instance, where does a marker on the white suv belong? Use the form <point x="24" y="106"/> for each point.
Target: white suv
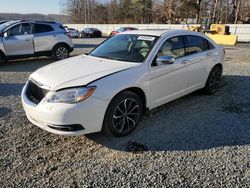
<point x="19" y="39"/>
<point x="110" y="88"/>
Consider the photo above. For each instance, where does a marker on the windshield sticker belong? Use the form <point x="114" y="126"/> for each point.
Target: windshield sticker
<point x="148" y="38"/>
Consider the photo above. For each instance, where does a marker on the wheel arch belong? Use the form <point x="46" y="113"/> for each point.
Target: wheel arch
<point x="3" y="55"/>
<point x="60" y="43"/>
<point x="139" y="92"/>
<point x="218" y="65"/>
<point x="136" y="90"/>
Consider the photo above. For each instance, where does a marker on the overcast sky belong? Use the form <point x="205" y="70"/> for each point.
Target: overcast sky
<point x="31" y="6"/>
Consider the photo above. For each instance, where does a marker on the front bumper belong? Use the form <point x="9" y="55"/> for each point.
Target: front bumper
<point x="66" y="119"/>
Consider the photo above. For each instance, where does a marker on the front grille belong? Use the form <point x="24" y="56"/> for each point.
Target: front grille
<point x="34" y="93"/>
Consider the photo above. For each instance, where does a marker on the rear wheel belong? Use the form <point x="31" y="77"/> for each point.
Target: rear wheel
<point x="213" y="81"/>
<point x="123" y="114"/>
<point x="2" y="59"/>
<point x="61" y="52"/>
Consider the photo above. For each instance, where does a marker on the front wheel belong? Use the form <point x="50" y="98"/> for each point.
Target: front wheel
<point x="61" y="52"/>
<point x="213" y="81"/>
<point x="123" y="114"/>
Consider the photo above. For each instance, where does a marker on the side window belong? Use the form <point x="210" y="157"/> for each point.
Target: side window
<point x="42" y="28"/>
<point x="172" y="47"/>
<point x="20" y="29"/>
<point x="194" y="44"/>
<point x="209" y="44"/>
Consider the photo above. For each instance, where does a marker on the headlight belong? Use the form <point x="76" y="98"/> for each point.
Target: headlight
<point x="73" y="95"/>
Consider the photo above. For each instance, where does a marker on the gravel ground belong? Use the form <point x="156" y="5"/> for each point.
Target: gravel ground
<point x="195" y="141"/>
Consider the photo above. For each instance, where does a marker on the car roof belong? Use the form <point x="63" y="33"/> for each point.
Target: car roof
<point x="158" y="32"/>
<point x="12" y="22"/>
<point x="33" y="21"/>
<point x="3" y="21"/>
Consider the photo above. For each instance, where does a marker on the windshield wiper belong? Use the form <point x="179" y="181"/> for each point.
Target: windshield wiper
<point x="105" y="57"/>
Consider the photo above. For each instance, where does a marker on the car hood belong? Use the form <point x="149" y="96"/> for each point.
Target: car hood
<point x="76" y="71"/>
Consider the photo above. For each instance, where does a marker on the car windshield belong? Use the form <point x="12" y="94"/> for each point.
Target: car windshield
<point x="127" y="47"/>
<point x="121" y="29"/>
<point x="6" y="24"/>
<point x="87" y="29"/>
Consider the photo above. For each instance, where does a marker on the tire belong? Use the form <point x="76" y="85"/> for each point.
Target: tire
<point x="2" y="59"/>
<point x="213" y="81"/>
<point x="123" y="114"/>
<point x="61" y="52"/>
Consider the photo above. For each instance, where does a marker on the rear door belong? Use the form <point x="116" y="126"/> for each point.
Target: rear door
<point x="198" y="57"/>
<point x="18" y="40"/>
<point x="45" y="37"/>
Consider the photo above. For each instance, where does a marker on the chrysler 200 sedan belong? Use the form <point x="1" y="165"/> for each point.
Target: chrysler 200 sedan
<point x="110" y="88"/>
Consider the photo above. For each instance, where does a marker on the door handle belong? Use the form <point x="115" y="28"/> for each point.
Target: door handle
<point x="209" y="53"/>
<point x="27" y="39"/>
<point x="185" y="62"/>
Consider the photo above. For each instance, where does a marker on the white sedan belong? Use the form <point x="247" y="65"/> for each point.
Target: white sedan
<point x="110" y="88"/>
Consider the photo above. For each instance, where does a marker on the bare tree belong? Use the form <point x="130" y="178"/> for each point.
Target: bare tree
<point x="157" y="11"/>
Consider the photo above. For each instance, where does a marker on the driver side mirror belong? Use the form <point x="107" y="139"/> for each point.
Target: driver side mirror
<point x="165" y="60"/>
<point x="6" y="34"/>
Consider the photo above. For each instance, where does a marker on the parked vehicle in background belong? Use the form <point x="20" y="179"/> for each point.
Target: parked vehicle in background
<point x="20" y="39"/>
<point x="113" y="86"/>
<point x="122" y="29"/>
<point x="90" y="32"/>
<point x="73" y="33"/>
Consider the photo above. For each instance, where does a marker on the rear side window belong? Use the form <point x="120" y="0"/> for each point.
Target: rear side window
<point x="209" y="44"/>
<point x="42" y="28"/>
<point x="194" y="44"/>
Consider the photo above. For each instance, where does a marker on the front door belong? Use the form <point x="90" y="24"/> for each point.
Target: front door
<point x="18" y="40"/>
<point x="169" y="81"/>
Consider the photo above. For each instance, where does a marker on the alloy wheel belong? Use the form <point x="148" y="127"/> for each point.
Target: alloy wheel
<point x="126" y="115"/>
<point x="62" y="53"/>
<point x="215" y="80"/>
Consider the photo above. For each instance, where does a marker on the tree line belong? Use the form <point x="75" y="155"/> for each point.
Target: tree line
<point x="156" y="11"/>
